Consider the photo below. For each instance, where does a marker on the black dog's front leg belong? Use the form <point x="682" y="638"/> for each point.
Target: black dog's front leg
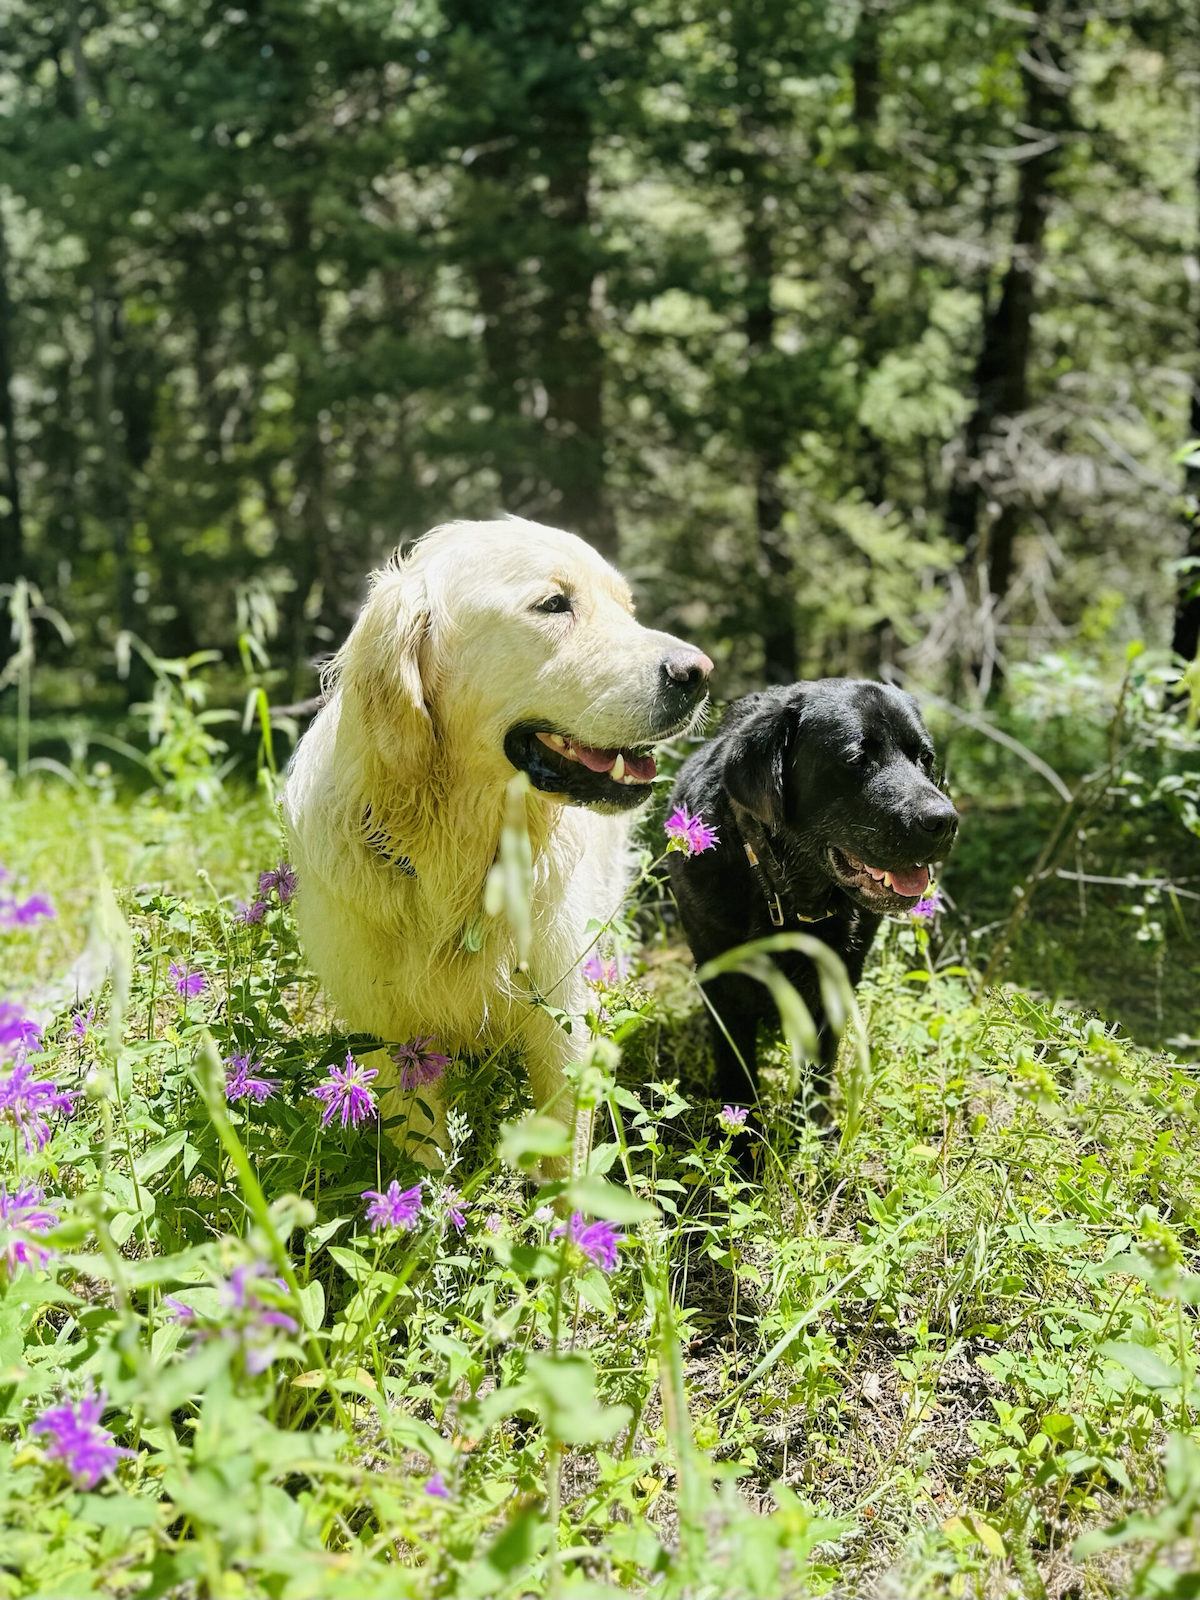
<point x="735" y="1010"/>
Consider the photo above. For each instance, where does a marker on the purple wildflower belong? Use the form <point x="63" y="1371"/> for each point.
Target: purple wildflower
<point x="346" y="1091"/>
<point x="418" y="1062"/>
<point x="597" y="1240"/>
<point x="77" y="1439"/>
<point x="929" y="907"/>
<point x="456" y="1209"/>
<point x="252" y="912"/>
<point x="82" y="1021"/>
<point x="25" y="1209"/>
<point x="436" y="1488"/>
<point x="24" y="913"/>
<point x="189" y="981"/>
<point x="606" y="974"/>
<point x="280" y="880"/>
<point x="26" y="1102"/>
<point x="690" y="834"/>
<point x="249" y="1320"/>
<point x="732" y="1116"/>
<point x="243" y="1080"/>
<point x="393" y="1208"/>
<point x="494" y="1222"/>
<point x="17" y="1031"/>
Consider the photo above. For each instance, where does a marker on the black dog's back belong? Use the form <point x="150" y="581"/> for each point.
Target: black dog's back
<point x="827" y="813"/>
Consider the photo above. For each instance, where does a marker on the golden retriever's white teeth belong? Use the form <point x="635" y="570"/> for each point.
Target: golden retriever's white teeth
<point x="617" y="770"/>
<point x="887" y="880"/>
<point x="556" y="742"/>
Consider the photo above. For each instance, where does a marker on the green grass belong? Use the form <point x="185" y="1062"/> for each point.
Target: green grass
<point x="944" y="1354"/>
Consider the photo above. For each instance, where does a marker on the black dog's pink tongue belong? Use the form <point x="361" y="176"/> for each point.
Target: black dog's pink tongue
<point x="911" y="880"/>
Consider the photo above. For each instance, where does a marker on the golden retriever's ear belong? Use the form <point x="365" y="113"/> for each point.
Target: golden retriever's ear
<point x="379" y="673"/>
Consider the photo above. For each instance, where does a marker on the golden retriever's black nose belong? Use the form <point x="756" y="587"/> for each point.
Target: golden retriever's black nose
<point x="937" y="817"/>
<point x="686" y="670"/>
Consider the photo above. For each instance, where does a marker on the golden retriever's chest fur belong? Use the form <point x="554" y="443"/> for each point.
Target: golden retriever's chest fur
<point x="390" y="903"/>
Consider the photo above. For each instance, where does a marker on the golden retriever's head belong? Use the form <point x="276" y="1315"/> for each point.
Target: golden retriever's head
<point x="496" y="645"/>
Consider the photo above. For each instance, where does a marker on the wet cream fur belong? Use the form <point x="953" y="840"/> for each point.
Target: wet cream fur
<point x="446" y="656"/>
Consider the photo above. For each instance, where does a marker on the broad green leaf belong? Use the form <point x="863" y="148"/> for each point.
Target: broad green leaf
<point x="159" y="1155"/>
<point x="601" y="1199"/>
<point x="1147" y="1367"/>
<point x="523" y="1144"/>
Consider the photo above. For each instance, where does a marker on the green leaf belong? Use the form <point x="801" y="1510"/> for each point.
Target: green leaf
<point x="593" y="1287"/>
<point x="312" y="1304"/>
<point x="1147" y="1367"/>
<point x="523" y="1144"/>
<point x="592" y="1194"/>
<point x="563" y="1392"/>
<point x="159" y="1155"/>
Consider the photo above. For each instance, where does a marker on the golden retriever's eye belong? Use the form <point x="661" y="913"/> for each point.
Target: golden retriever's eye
<point x="554" y="604"/>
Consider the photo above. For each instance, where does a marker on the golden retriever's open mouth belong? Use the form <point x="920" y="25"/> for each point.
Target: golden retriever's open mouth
<point x="583" y="774"/>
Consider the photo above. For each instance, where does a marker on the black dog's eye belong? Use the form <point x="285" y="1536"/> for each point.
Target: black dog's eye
<point x="554" y="604"/>
<point x="925" y="761"/>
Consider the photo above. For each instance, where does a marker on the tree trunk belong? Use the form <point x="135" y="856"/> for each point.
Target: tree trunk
<point x="769" y="442"/>
<point x="867" y="89"/>
<point x="574" y="359"/>
<point x="12" y="531"/>
<point x="112" y="499"/>
<point x="312" y="557"/>
<point x="1185" y="635"/>
<point x="1002" y="371"/>
<point x="534" y="165"/>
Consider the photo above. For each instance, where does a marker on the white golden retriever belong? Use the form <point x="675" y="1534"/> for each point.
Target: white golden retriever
<point x="493" y="648"/>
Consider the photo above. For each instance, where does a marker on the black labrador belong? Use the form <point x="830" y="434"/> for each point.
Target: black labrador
<point x="828" y="813"/>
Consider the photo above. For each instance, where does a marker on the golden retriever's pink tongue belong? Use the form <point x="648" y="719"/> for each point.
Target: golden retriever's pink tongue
<point x="641" y="768"/>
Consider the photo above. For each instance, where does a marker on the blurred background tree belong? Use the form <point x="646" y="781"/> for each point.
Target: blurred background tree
<point x="864" y="335"/>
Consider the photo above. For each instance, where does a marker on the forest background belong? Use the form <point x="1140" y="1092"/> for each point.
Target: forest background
<point x="864" y="337"/>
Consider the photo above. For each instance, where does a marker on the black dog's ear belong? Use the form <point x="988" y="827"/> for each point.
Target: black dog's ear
<point x="753" y="772"/>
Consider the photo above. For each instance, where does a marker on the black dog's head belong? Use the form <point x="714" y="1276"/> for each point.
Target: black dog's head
<point x="840" y="771"/>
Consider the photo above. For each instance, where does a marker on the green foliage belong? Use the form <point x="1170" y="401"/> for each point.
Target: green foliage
<point x="282" y="287"/>
<point x="953" y="1345"/>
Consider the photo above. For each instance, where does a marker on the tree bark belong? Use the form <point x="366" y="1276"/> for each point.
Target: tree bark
<point x="1001" y="381"/>
<point x="1185" y="633"/>
<point x="574" y="358"/>
<point x="866" y="84"/>
<point x="112" y="498"/>
<point x="12" y="529"/>
<point x="312" y="557"/>
<point x="534" y="165"/>
<point x="769" y="440"/>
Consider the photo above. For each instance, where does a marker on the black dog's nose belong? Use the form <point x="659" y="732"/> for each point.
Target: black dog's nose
<point x="936" y="816"/>
<point x="685" y="669"/>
